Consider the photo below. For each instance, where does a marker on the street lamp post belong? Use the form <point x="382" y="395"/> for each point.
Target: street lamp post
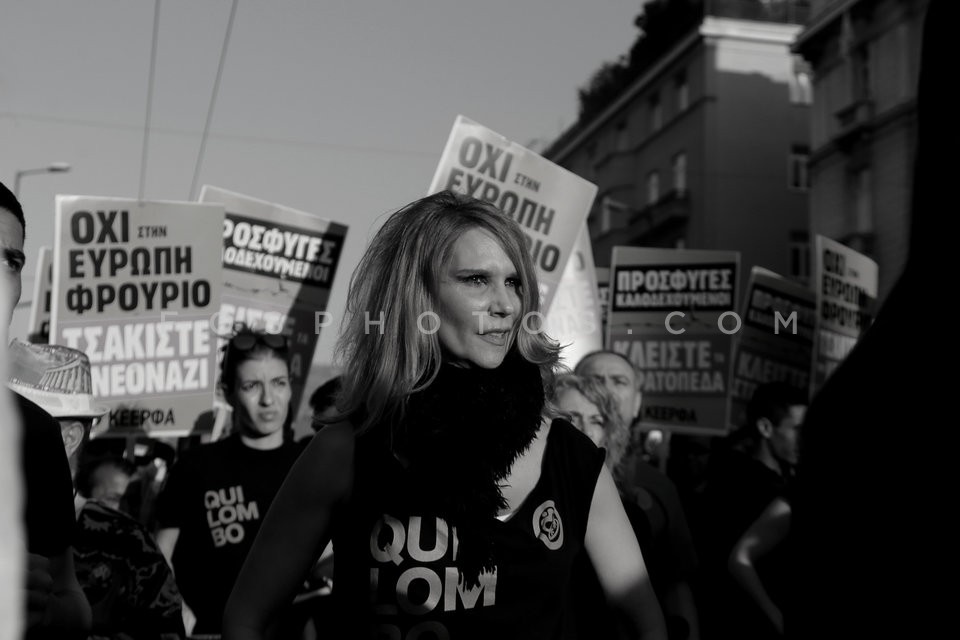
<point x="55" y="167"/>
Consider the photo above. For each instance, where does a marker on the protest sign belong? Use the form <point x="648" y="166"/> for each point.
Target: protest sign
<point x="776" y="341"/>
<point x="39" y="327"/>
<point x="550" y="203"/>
<point x="846" y="283"/>
<point x="278" y="268"/>
<point x="672" y="314"/>
<point x="574" y="317"/>
<point x="135" y="284"/>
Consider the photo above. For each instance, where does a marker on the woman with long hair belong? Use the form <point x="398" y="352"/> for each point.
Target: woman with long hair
<point x="216" y="494"/>
<point x="455" y="501"/>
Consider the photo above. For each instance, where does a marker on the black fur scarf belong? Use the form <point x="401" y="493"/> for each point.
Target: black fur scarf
<point x="460" y="438"/>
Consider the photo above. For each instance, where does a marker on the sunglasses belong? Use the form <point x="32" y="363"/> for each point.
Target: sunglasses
<point x="247" y="341"/>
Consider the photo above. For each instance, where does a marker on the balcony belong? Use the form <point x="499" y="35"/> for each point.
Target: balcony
<point x="657" y="220"/>
<point x="658" y="225"/>
<point x="854" y="121"/>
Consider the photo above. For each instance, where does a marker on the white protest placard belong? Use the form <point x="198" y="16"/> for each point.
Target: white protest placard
<point x="846" y="283"/>
<point x="278" y="269"/>
<point x="39" y="328"/>
<point x="574" y="318"/>
<point x="776" y="341"/>
<point x="549" y="202"/>
<point x="135" y="285"/>
<point x="672" y="314"/>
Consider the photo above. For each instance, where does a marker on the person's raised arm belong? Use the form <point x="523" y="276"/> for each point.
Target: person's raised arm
<point x="294" y="532"/>
<point x="615" y="553"/>
<point x="765" y="534"/>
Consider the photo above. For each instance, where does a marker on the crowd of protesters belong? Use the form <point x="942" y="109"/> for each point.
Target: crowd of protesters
<point x="159" y="541"/>
<point x="544" y="512"/>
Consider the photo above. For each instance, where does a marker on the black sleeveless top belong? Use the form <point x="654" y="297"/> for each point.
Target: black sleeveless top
<point x="396" y="562"/>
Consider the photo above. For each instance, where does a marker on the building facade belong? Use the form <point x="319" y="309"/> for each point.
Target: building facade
<point x="706" y="148"/>
<point x="864" y="56"/>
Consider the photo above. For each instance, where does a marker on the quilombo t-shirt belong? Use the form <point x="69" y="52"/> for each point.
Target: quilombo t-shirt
<point x="217" y="495"/>
<point x="397" y="565"/>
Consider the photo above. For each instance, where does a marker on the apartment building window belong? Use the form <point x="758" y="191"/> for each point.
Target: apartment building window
<point x="613" y="213"/>
<point x="799" y="256"/>
<point x="656" y="113"/>
<point x="801" y="85"/>
<point x="683" y="92"/>
<point x="680" y="172"/>
<point x="589" y="170"/>
<point x="622" y="139"/>
<point x="860" y="73"/>
<point x="605" y="216"/>
<point x="653" y="187"/>
<point x="798" y="168"/>
<point x="863" y="185"/>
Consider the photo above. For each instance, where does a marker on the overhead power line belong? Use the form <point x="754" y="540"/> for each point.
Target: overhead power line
<point x="213" y="101"/>
<point x="146" y="123"/>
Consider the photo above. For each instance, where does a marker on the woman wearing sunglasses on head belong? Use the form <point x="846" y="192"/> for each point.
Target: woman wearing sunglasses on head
<point x="217" y="494"/>
<point x="456" y="503"/>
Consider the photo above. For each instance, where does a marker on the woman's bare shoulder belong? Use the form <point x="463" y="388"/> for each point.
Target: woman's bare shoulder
<point x="336" y="435"/>
<point x="327" y="462"/>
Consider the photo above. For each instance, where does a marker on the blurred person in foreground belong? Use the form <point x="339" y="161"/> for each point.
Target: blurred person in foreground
<point x="672" y="558"/>
<point x="12" y="538"/>
<point x="217" y="494"/>
<point x="56" y="606"/>
<point x="124" y="576"/>
<point x="873" y="528"/>
<point x="456" y="503"/>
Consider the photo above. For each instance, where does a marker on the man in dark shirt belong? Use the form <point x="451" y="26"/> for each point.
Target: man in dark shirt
<point x="56" y="606"/>
<point x="752" y="468"/>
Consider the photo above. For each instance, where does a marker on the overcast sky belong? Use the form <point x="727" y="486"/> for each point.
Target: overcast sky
<point x="335" y="107"/>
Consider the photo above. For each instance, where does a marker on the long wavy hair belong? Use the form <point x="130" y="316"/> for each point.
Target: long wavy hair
<point x="616" y="433"/>
<point x="384" y="354"/>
